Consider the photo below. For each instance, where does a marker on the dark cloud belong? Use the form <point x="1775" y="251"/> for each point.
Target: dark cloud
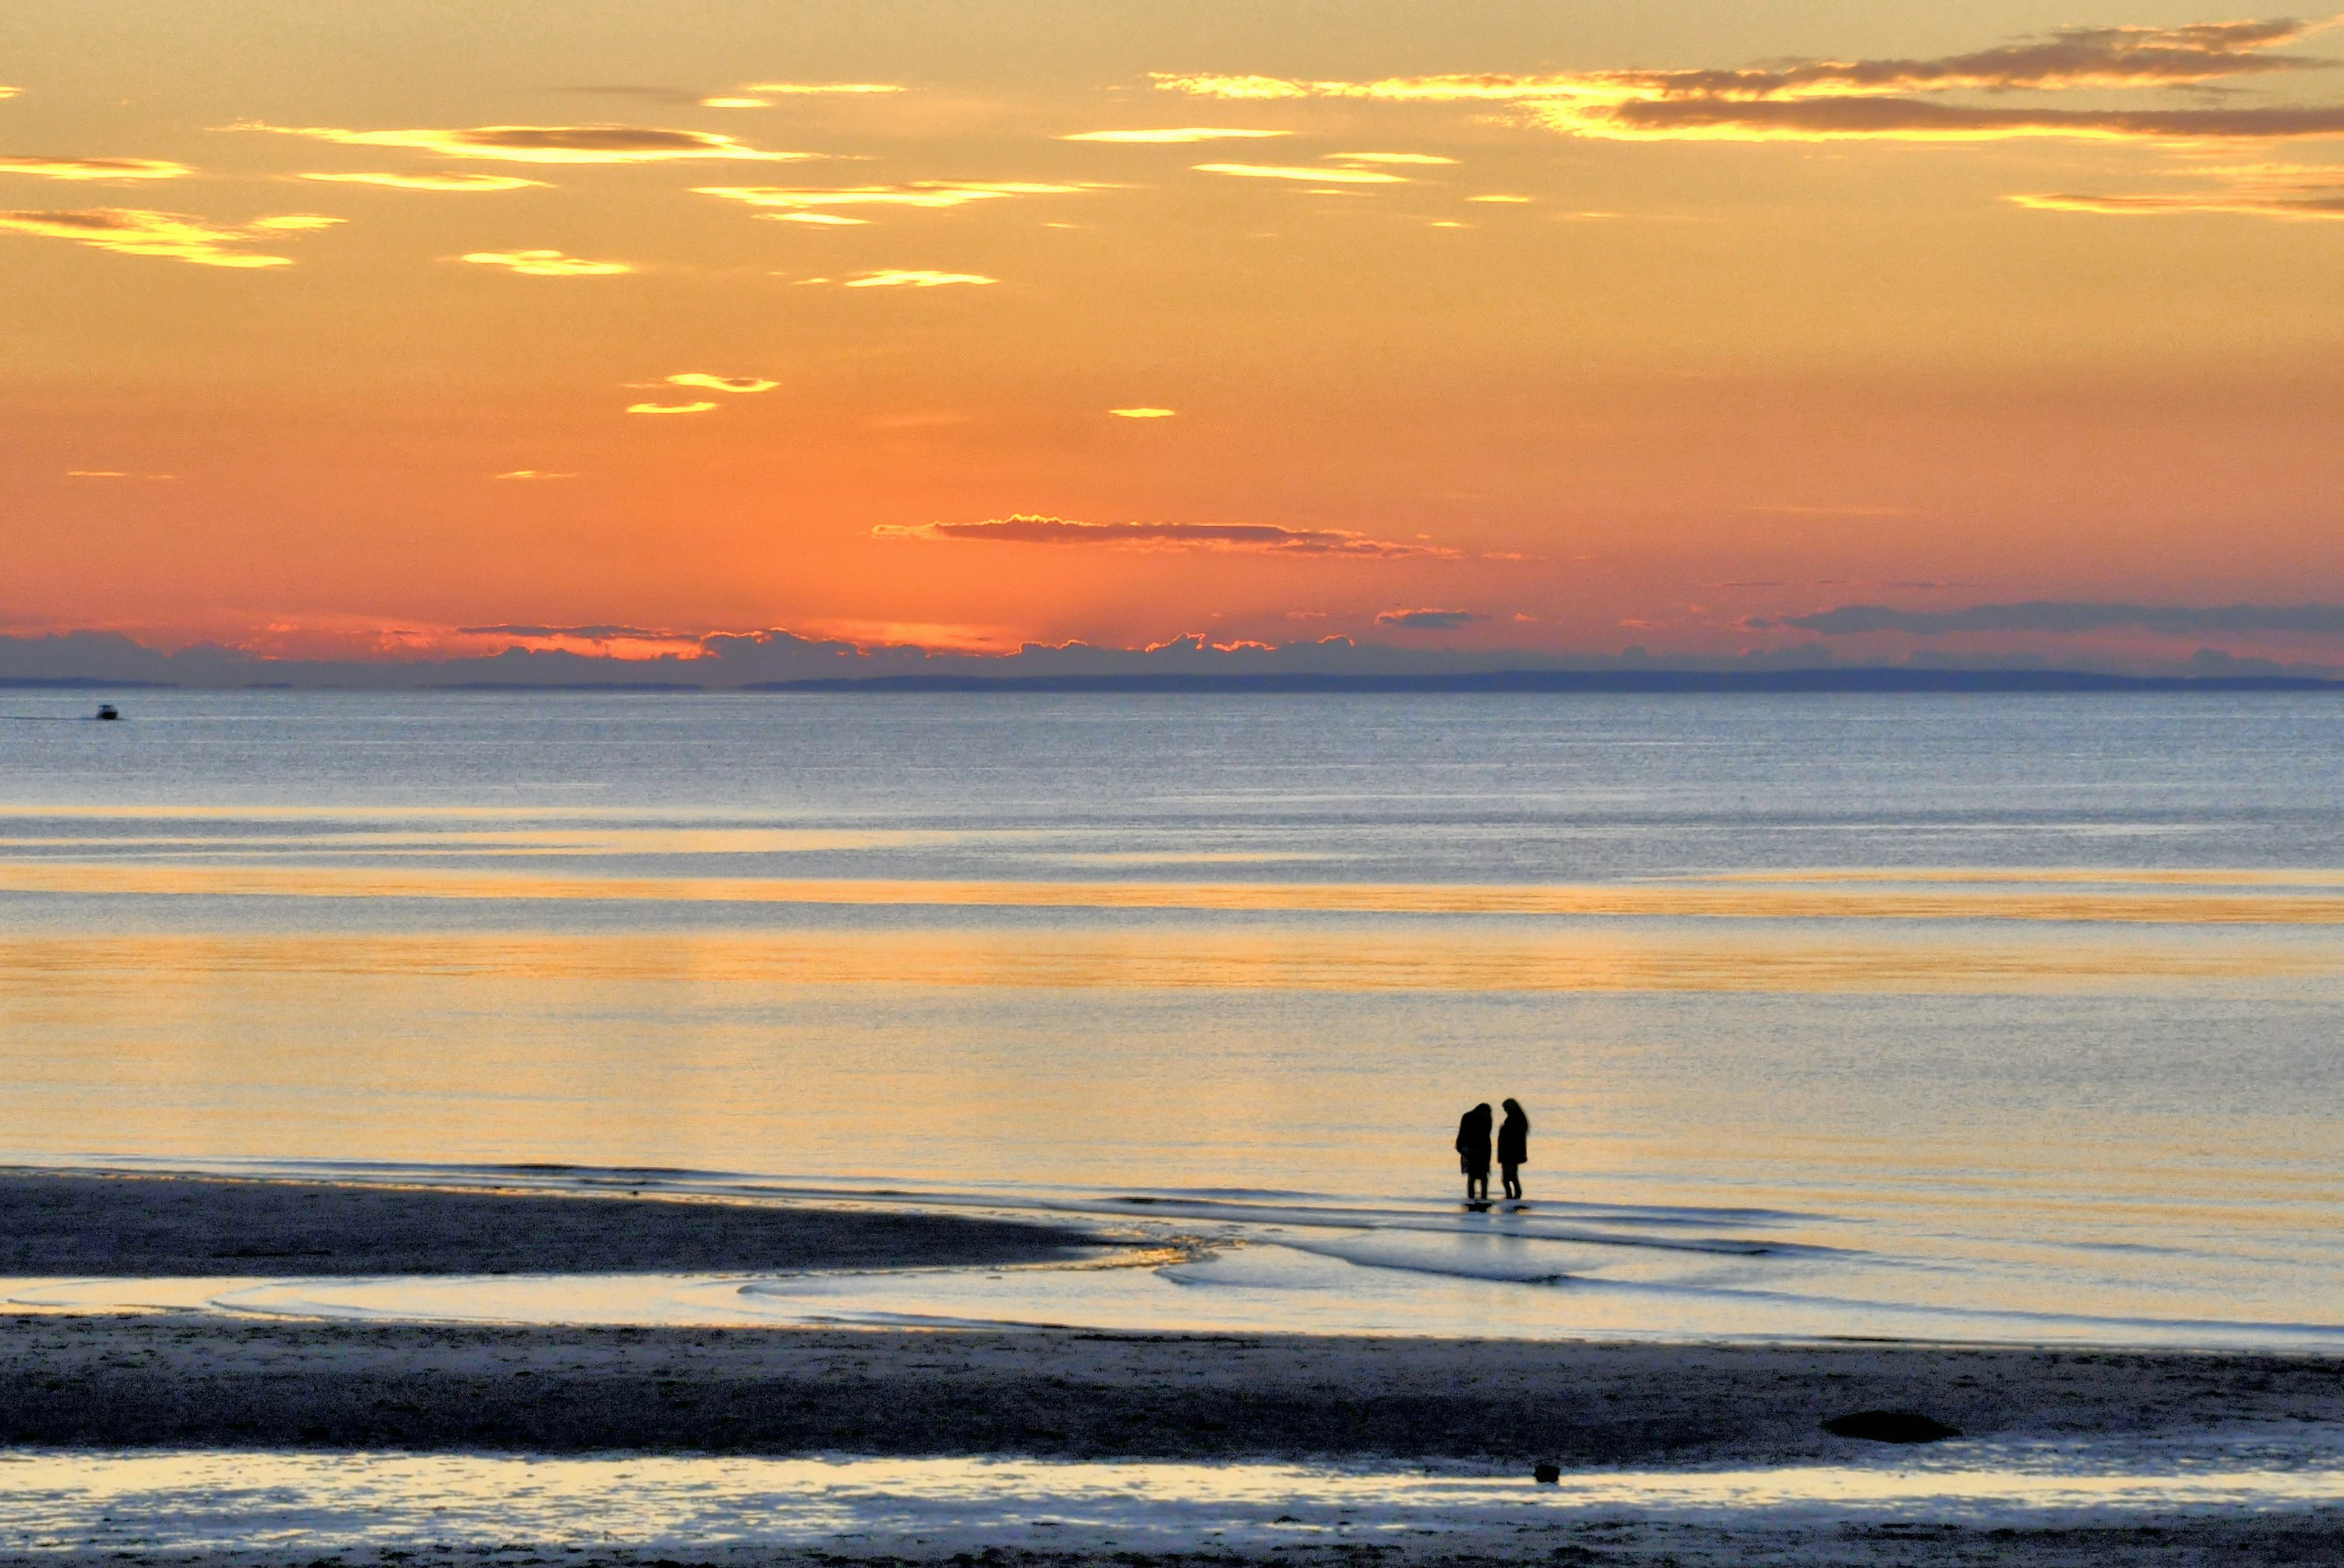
<point x="1248" y="538"/>
<point x="1428" y="620"/>
<point x="1900" y="99"/>
<point x="1919" y="119"/>
<point x="2071" y="616"/>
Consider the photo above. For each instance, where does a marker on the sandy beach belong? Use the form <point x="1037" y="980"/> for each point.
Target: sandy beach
<point x="177" y="1381"/>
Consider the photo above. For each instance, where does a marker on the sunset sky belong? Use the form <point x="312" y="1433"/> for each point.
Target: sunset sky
<point x="353" y="329"/>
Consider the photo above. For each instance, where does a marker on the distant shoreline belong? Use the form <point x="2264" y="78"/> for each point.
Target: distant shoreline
<point x="1855" y="681"/>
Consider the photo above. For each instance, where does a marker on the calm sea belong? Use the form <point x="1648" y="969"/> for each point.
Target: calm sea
<point x="1984" y="1017"/>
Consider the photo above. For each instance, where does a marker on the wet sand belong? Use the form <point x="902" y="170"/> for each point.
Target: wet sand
<point x="154" y="1226"/>
<point x="208" y="1380"/>
<point x="185" y="1380"/>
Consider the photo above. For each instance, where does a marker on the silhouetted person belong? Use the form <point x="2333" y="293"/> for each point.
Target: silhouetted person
<point x="1513" y="1148"/>
<point x="1473" y="1152"/>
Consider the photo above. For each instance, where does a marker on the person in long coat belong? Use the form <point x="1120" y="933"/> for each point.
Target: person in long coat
<point x="1473" y="1151"/>
<point x="1513" y="1149"/>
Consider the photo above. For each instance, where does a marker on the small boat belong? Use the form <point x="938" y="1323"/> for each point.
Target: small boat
<point x="108" y="711"/>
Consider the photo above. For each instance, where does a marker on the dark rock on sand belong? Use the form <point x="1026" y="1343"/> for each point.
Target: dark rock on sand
<point x="1891" y="1426"/>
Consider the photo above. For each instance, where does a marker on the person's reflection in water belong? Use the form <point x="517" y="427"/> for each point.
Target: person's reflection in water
<point x="1473" y="1153"/>
<point x="1513" y="1149"/>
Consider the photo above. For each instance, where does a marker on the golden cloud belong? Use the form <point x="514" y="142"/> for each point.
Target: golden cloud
<point x="533" y="474"/>
<point x="722" y="383"/>
<point x="1238" y="537"/>
<point x="10" y="92"/>
<point x="433" y="181"/>
<point x="547" y="264"/>
<point x="1885" y="99"/>
<point x="1174" y="137"/>
<point x="1144" y="413"/>
<point x="2299" y="203"/>
<point x="821" y="90"/>
<point x="1317" y="176"/>
<point x="669" y="408"/>
<point x="96" y="167"/>
<point x="133" y="231"/>
<point x="914" y="278"/>
<point x="550" y="144"/>
<point x="925" y="194"/>
<point x="1390" y="158"/>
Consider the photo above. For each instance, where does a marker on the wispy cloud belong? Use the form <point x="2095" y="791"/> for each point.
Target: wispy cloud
<point x="2256" y="195"/>
<point x="1313" y="175"/>
<point x="1424" y="158"/>
<point x="1230" y="538"/>
<point x="707" y="382"/>
<point x="2072" y="616"/>
<point x="533" y="474"/>
<point x="547" y="264"/>
<point x="1428" y="620"/>
<point x="550" y="144"/>
<point x="96" y="167"/>
<point x="914" y="278"/>
<point x="447" y="182"/>
<point x="822" y="89"/>
<point x="134" y="231"/>
<point x="1174" y="135"/>
<point x="1893" y="99"/>
<point x="10" y="92"/>
<point x="115" y="473"/>
<point x="669" y="408"/>
<point x="1143" y="413"/>
<point x="810" y="202"/>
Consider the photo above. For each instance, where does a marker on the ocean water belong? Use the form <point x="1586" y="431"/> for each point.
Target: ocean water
<point x="259" y="1502"/>
<point x="1969" y="1017"/>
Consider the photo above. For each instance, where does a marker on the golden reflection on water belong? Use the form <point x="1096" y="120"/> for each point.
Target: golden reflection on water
<point x="1286" y="960"/>
<point x="1720" y="900"/>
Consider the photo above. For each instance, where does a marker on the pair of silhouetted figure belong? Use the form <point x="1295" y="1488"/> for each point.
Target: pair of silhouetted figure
<point x="1473" y="1151"/>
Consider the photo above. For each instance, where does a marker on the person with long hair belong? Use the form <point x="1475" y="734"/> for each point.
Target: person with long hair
<point x="1513" y="1149"/>
<point x="1473" y="1151"/>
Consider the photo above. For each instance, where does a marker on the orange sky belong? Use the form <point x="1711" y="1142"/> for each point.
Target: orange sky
<point x="333" y="328"/>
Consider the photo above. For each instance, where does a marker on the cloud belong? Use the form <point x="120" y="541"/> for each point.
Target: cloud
<point x="113" y="473"/>
<point x="2071" y="616"/>
<point x="10" y="92"/>
<point x="96" y="167"/>
<point x="1144" y="413"/>
<point x="452" y="182"/>
<point x="583" y="633"/>
<point x="533" y="474"/>
<point x="795" y="202"/>
<point x="550" y="144"/>
<point x="669" y="408"/>
<point x="828" y="219"/>
<point x="914" y="278"/>
<point x="1893" y="99"/>
<point x="1427" y="158"/>
<point x="1315" y="175"/>
<point x="1508" y="201"/>
<point x="133" y="231"/>
<point x="1428" y="620"/>
<point x="1228" y="538"/>
<point x="547" y="264"/>
<point x="742" y="384"/>
<point x="2252" y="198"/>
<point x="1174" y="135"/>
<point x="822" y="89"/>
